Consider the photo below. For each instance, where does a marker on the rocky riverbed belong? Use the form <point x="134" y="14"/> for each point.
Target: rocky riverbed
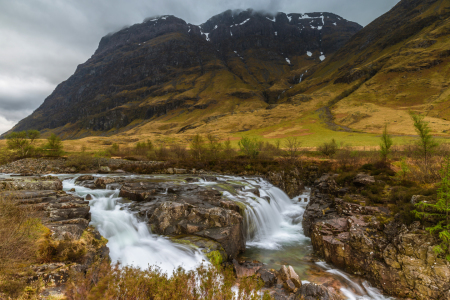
<point x="215" y="221"/>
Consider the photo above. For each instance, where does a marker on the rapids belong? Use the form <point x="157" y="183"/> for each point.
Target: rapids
<point x="274" y="234"/>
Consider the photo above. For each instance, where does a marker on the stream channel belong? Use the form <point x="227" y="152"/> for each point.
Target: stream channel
<point x="272" y="222"/>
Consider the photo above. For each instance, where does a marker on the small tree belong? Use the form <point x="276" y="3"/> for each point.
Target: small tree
<point x="54" y="145"/>
<point x="249" y="147"/>
<point x="439" y="213"/>
<point x="386" y="144"/>
<point x="426" y="144"/>
<point x="197" y="147"/>
<point x="228" y="151"/>
<point x="22" y="142"/>
<point x="214" y="146"/>
<point x="292" y="145"/>
<point x="404" y="169"/>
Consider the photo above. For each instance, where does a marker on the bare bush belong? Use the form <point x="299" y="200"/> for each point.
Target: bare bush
<point x="328" y="148"/>
<point x="104" y="281"/>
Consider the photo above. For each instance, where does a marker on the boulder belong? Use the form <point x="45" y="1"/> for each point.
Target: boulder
<point x="246" y="269"/>
<point x="175" y="210"/>
<point x="313" y="291"/>
<point x="104" y="170"/>
<point x="102" y="182"/>
<point x="289" y="286"/>
<point x="84" y="178"/>
<point x="267" y="277"/>
<point x="363" y="179"/>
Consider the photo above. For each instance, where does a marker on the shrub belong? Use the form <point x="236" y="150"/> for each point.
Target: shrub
<point x="82" y="162"/>
<point x="104" y="281"/>
<point x="439" y="213"/>
<point x="228" y="151"/>
<point x="426" y="145"/>
<point x="142" y="148"/>
<point x="385" y="145"/>
<point x="19" y="231"/>
<point x="249" y="147"/>
<point x="328" y="149"/>
<point x="197" y="147"/>
<point x="292" y="145"/>
<point x="23" y="143"/>
<point x="54" y="145"/>
<point x="179" y="151"/>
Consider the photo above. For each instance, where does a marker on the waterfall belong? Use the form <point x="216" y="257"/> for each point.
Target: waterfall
<point x="129" y="240"/>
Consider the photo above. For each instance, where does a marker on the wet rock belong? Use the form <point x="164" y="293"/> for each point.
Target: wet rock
<point x="254" y="191"/>
<point x="212" y="249"/>
<point x="363" y="179"/>
<point x="313" y="291"/>
<point x="210" y="178"/>
<point x="284" y="273"/>
<point x="102" y="182"/>
<point x="180" y="171"/>
<point x="84" y="178"/>
<point x="246" y="269"/>
<point x="174" y="209"/>
<point x="267" y="277"/>
<point x="191" y="179"/>
<point x="104" y="170"/>
<point x="290" y="286"/>
<point x="88" y="197"/>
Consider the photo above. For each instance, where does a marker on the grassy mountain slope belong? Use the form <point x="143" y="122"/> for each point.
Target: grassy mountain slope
<point x="398" y="63"/>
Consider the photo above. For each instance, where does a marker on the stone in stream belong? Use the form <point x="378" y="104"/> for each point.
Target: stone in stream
<point x="313" y="291"/>
<point x="102" y="182"/>
<point x="267" y="277"/>
<point x="104" y="170"/>
<point x="84" y="178"/>
<point x="246" y="269"/>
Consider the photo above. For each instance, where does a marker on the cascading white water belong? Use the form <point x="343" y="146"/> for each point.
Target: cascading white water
<point x="365" y="292"/>
<point x="129" y="240"/>
<point x="276" y="223"/>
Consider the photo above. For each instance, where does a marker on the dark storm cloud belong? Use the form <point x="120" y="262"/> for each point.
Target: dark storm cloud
<point x="42" y="41"/>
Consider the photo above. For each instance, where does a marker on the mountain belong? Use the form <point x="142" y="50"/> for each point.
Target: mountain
<point x="165" y="76"/>
<point x="397" y="64"/>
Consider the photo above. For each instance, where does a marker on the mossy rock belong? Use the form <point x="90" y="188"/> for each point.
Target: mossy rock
<point x="212" y="249"/>
<point x="215" y="257"/>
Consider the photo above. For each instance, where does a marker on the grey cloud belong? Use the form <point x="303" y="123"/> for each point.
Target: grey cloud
<point x="43" y="41"/>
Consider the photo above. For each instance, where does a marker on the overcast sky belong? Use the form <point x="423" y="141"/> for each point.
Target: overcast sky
<point x="42" y="41"/>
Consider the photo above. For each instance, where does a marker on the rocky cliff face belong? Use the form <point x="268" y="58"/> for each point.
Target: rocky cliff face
<point x="143" y="72"/>
<point x="397" y="258"/>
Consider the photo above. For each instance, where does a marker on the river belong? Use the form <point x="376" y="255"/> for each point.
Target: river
<point x="273" y="229"/>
